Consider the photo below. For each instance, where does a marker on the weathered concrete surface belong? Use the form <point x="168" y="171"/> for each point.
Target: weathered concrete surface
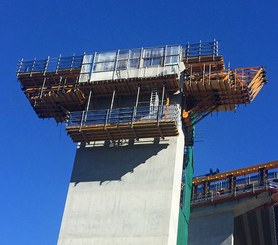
<point x="124" y="195"/>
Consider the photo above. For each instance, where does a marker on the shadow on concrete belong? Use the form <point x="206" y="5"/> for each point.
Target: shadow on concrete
<point x="110" y="163"/>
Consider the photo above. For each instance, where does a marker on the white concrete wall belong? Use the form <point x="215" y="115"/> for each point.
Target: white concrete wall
<point x="124" y="195"/>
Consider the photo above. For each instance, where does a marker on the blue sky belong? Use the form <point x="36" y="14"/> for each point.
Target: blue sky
<point x="37" y="155"/>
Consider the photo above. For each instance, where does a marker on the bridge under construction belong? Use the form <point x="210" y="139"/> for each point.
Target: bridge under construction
<point x="236" y="207"/>
<point x="132" y="113"/>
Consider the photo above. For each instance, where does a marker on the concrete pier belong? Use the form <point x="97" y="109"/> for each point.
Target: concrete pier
<point x="126" y="194"/>
<point x="246" y="221"/>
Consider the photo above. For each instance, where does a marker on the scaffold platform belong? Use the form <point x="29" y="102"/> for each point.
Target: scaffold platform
<point x="124" y="123"/>
<point x="65" y="86"/>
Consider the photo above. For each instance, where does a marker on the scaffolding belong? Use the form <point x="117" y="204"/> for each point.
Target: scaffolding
<point x="68" y="89"/>
<point x="153" y="92"/>
<point x="124" y="123"/>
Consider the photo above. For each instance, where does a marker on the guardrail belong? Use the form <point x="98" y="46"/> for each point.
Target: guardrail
<point x="124" y="115"/>
<point x="243" y="187"/>
<point x="242" y="191"/>
<point x="50" y="64"/>
<point x="201" y="49"/>
<point x="119" y="59"/>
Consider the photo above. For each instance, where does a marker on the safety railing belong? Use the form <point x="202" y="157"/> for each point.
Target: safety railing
<point x="243" y="186"/>
<point x="219" y="195"/>
<point x="120" y="59"/>
<point x="50" y="64"/>
<point x="124" y="115"/>
<point x="201" y="49"/>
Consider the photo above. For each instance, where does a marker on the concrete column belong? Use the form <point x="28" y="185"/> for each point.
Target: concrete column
<point x="235" y="221"/>
<point x="125" y="194"/>
<point x="215" y="229"/>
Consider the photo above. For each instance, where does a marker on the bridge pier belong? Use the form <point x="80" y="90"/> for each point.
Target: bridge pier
<point x="245" y="221"/>
<point x="126" y="194"/>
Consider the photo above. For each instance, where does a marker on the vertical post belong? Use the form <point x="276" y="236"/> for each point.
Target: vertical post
<point x="200" y="50"/>
<point x="106" y="118"/>
<point x="20" y="66"/>
<point x="229" y="71"/>
<point x="58" y="63"/>
<point x="141" y="63"/>
<point x="115" y="64"/>
<point x="235" y="79"/>
<point x="205" y="188"/>
<point x="112" y="100"/>
<point x="44" y="80"/>
<point x="214" y="48"/>
<point x="163" y="94"/>
<point x="92" y="68"/>
<point x="64" y="85"/>
<point x="82" y="120"/>
<point x="232" y="184"/>
<point x="88" y="105"/>
<point x="209" y="72"/>
<point x="164" y="58"/>
<point x="179" y="56"/>
<point x="108" y="115"/>
<point x="242" y="78"/>
<point x="137" y="97"/>
<point x="187" y="51"/>
<point x="135" y="107"/>
<point x="190" y="78"/>
<point x="159" y="111"/>
<point x="194" y="191"/>
<point x="204" y="70"/>
<point x="262" y="177"/>
<point x="46" y="65"/>
<point x="72" y="60"/>
<point x="128" y="64"/>
<point x="60" y="82"/>
<point x="33" y="66"/>
<point x="216" y="44"/>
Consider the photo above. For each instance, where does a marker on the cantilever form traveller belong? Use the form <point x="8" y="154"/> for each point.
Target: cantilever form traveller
<point x="140" y="102"/>
<point x="72" y="89"/>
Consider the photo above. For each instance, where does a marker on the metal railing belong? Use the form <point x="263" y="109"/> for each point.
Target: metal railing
<point x="50" y="64"/>
<point x="124" y="115"/>
<point x="243" y="186"/>
<point x="120" y="59"/>
<point x="201" y="49"/>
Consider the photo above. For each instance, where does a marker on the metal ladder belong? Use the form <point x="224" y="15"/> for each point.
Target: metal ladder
<point x="154" y="102"/>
